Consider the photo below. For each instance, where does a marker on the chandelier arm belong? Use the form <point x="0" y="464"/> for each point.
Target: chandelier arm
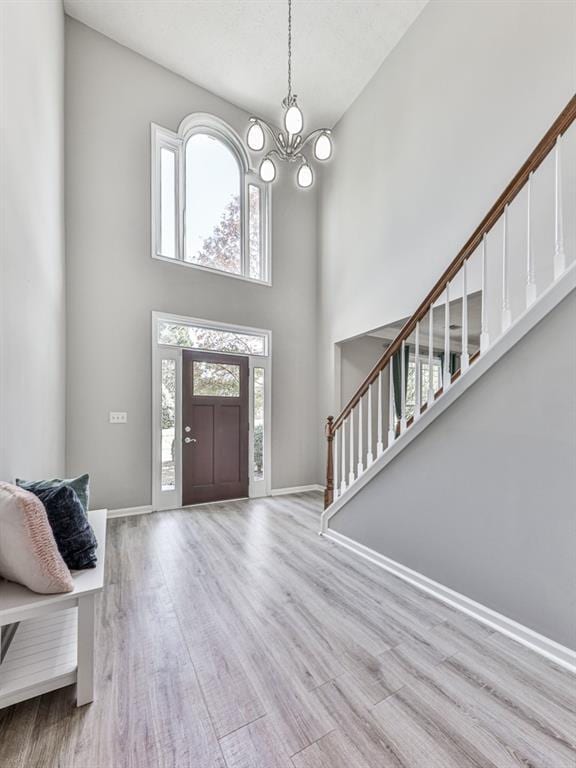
<point x="301" y="156"/>
<point x="276" y="153"/>
<point x="315" y="133"/>
<point x="271" y="131"/>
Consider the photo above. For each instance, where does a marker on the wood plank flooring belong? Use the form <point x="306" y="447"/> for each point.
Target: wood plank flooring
<point x="233" y="636"/>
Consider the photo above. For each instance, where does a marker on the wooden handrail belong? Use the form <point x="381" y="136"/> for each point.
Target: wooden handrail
<point x="543" y="148"/>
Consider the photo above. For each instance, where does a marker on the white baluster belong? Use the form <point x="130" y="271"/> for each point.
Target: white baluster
<point x="351" y="472"/>
<point x="417" y="373"/>
<point x="360" y="467"/>
<point x="430" y="353"/>
<point x="343" y="457"/>
<point x="336" y="490"/>
<point x="530" y="273"/>
<point x="369" y="454"/>
<point x="391" y="409"/>
<point x="484" y="338"/>
<point x="559" y="255"/>
<point x="379" y="443"/>
<point x="465" y="358"/>
<point x="506" y="313"/>
<point x="446" y="375"/>
<point x="402" y="388"/>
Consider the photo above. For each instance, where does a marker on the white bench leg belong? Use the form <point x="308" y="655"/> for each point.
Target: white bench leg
<point x="85" y="673"/>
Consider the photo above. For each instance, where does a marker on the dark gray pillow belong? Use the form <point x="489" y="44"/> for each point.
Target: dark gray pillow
<point x="80" y="484"/>
<point x="73" y="533"/>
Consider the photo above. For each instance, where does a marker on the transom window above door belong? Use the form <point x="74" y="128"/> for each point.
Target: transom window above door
<point x="180" y="333"/>
<point x="209" y="210"/>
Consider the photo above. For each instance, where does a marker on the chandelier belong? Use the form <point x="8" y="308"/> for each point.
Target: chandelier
<point x="289" y="144"/>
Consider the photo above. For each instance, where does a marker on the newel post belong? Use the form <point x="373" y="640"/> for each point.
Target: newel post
<point x="329" y="491"/>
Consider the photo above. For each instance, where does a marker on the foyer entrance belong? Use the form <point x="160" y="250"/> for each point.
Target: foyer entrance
<point x="211" y="411"/>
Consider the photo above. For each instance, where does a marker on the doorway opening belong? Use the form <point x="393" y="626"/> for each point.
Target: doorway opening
<point x="211" y="411"/>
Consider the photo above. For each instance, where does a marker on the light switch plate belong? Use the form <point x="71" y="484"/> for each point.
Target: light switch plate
<point x="118" y="417"/>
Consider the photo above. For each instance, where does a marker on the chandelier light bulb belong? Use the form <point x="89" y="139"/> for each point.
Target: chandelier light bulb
<point x="323" y="147"/>
<point x="267" y="170"/>
<point x="293" y="120"/>
<point x="256" y="137"/>
<point x="305" y="177"/>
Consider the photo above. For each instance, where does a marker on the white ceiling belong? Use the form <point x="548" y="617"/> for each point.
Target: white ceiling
<point x="237" y="48"/>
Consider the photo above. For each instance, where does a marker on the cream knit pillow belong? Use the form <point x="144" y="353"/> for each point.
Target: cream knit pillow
<point x="28" y="551"/>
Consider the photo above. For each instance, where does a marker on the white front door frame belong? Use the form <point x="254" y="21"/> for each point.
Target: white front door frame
<point x="172" y="499"/>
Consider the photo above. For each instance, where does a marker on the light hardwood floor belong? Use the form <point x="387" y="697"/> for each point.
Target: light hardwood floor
<point x="233" y="636"/>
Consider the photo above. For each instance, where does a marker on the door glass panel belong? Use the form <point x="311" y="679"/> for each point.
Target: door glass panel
<point x="168" y="416"/>
<point x="254" y="232"/>
<point x="216" y="379"/>
<point x="167" y="203"/>
<point x="258" y="421"/>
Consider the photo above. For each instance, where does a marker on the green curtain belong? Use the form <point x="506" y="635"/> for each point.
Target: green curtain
<point x="397" y="376"/>
<point x="452" y="363"/>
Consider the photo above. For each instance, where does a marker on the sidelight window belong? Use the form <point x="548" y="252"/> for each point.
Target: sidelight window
<point x="258" y="422"/>
<point x="168" y="424"/>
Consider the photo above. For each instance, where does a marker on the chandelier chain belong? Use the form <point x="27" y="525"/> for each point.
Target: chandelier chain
<point x="289" y="50"/>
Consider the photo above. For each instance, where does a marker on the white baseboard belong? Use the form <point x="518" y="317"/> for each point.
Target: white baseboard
<point x="537" y="642"/>
<point x="129" y="511"/>
<point x="296" y="489"/>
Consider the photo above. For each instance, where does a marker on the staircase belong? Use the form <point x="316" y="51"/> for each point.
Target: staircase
<point x="515" y="263"/>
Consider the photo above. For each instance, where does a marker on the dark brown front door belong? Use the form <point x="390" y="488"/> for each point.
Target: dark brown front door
<point x="214" y="427"/>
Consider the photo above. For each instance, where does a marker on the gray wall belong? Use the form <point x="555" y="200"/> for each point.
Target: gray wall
<point x="484" y="500"/>
<point x="357" y="358"/>
<point x="32" y="298"/>
<point x="425" y="151"/>
<point x="113" y="284"/>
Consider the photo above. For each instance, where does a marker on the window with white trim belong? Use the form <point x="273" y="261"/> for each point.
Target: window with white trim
<point x="209" y="209"/>
<point x="424" y="381"/>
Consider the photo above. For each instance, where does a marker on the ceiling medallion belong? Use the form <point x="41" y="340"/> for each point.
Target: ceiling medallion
<point x="289" y="144"/>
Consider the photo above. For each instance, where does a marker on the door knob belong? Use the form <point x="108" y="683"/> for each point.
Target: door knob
<point x="190" y="440"/>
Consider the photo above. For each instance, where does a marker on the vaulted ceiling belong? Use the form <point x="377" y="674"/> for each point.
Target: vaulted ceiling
<point x="237" y="48"/>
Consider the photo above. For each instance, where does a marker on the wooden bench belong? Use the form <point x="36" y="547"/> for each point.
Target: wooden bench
<point x="53" y="642"/>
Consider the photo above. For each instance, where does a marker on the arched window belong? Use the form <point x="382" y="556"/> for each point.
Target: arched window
<point x="209" y="210"/>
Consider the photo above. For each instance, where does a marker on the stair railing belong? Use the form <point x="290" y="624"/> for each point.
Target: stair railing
<point x="380" y="409"/>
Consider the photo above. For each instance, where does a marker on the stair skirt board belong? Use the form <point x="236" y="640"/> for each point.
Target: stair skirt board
<point x="543" y="305"/>
<point x="552" y="650"/>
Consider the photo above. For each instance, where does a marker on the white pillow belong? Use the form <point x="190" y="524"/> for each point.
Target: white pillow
<point x="28" y="551"/>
